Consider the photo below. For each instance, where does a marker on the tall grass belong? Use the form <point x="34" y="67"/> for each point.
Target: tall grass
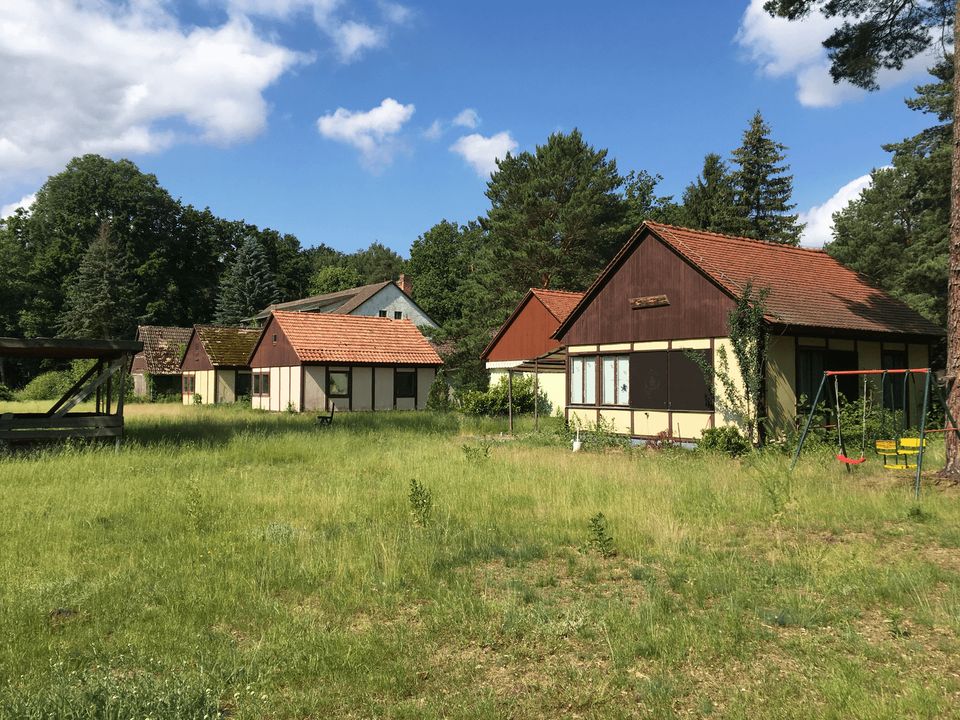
<point x="244" y="564"/>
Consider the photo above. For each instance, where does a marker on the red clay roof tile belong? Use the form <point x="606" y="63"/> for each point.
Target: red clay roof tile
<point x="560" y="303"/>
<point x="328" y="337"/>
<point x="807" y="287"/>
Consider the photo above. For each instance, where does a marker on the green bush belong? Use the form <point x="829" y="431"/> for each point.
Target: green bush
<point x="726" y="439"/>
<point x="495" y="400"/>
<point x="6" y="394"/>
<point x="438" y="399"/>
<point x="46" y="386"/>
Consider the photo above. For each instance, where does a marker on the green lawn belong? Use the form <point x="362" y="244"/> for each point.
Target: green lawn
<point x="255" y="565"/>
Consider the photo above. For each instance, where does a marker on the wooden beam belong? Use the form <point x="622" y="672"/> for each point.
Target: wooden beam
<point x="649" y="301"/>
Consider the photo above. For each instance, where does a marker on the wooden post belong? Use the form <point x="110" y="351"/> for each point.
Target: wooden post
<point x="510" y="398"/>
<point x="536" y="395"/>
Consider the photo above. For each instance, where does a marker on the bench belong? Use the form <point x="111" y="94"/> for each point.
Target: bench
<point x="328" y="418"/>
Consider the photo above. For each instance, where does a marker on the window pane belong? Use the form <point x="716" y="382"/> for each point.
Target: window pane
<point x="590" y="381"/>
<point x="382" y="313"/>
<point x="339" y="384"/>
<point x="688" y="386"/>
<point x="406" y="384"/>
<point x="609" y="380"/>
<point x="265" y="384"/>
<point x="623" y="380"/>
<point x="649" y="381"/>
<point x="576" y="381"/>
<point x="397" y="315"/>
<point x="256" y="383"/>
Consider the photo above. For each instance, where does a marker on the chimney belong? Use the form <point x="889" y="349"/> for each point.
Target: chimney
<point x="405" y="284"/>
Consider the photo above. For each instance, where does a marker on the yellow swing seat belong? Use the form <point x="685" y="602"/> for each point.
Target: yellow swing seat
<point x="887" y="449"/>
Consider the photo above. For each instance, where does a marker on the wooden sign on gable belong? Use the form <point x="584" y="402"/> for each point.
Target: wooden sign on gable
<point x="649" y="301"/>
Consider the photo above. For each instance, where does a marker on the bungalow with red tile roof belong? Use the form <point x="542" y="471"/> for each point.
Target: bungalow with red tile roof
<point x="669" y="290"/>
<point x="315" y="361"/>
<point x="214" y="366"/>
<point x="524" y="344"/>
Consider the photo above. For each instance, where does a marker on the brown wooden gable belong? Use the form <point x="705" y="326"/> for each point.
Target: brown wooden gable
<point x="528" y="334"/>
<point x="273" y="353"/>
<point x="697" y="307"/>
<point x="195" y="358"/>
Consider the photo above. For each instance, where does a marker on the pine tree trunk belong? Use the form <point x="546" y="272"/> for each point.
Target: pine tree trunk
<point x="953" y="278"/>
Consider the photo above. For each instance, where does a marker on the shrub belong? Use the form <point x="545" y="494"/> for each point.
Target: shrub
<point x="439" y="397"/>
<point x="600" y="538"/>
<point x="726" y="439"/>
<point x="46" y="386"/>
<point x="6" y="393"/>
<point x="421" y="503"/>
<point x="495" y="400"/>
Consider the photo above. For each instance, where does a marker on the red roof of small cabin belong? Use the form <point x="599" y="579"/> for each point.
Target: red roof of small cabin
<point x="328" y="337"/>
<point x="526" y="334"/>
<point x="807" y="287"/>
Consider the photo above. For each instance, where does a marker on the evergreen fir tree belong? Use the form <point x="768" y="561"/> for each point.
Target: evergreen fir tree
<point x="708" y="202"/>
<point x="762" y="189"/>
<point x="101" y="297"/>
<point x="247" y="286"/>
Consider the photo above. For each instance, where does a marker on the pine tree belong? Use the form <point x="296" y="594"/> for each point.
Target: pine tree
<point x="100" y="298"/>
<point x="762" y="189"/>
<point x="708" y="202"/>
<point x="247" y="286"/>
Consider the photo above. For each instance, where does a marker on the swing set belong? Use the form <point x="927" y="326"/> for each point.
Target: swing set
<point x="896" y="451"/>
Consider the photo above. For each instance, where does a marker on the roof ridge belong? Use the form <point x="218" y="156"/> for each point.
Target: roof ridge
<point x="740" y="238"/>
<point x="558" y="292"/>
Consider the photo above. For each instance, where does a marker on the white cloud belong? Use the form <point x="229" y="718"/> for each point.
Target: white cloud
<point x="434" y="131"/>
<point x="93" y="77"/>
<point x="819" y="218"/>
<point x="482" y="152"/>
<point x="350" y="37"/>
<point x="25" y="202"/>
<point x="372" y="132"/>
<point x="784" y="48"/>
<point x="467" y="118"/>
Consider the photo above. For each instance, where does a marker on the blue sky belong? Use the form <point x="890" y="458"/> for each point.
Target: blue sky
<point x="349" y="121"/>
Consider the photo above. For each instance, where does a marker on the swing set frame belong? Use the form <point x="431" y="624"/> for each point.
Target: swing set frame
<point x="928" y="385"/>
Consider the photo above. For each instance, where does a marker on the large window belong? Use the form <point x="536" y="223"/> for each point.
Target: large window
<point x="405" y="383"/>
<point x="615" y="371"/>
<point x="669" y="380"/>
<point x="583" y="380"/>
<point x="338" y="383"/>
<point x="261" y="383"/>
<point x="811" y="362"/>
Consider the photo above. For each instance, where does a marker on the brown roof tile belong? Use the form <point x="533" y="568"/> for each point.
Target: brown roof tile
<point x="227" y="346"/>
<point x="560" y="303"/>
<point x="329" y="337"/>
<point x="807" y="287"/>
<point x="163" y="348"/>
<point x="345" y="301"/>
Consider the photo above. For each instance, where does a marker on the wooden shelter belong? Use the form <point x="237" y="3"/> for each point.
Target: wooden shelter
<point x="104" y="381"/>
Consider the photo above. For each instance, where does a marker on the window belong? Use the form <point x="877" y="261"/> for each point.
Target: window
<point x="616" y="379"/>
<point x="242" y="388"/>
<point x="338" y="383"/>
<point x="583" y="380"/>
<point x="189" y="383"/>
<point x="405" y="383"/>
<point x="382" y="313"/>
<point x="261" y="383"/>
<point x="893" y="384"/>
<point x="668" y="380"/>
<point x="397" y="315"/>
<point x="811" y="362"/>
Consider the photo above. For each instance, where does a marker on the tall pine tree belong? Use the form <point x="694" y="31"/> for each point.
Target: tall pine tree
<point x="248" y="285"/>
<point x="100" y="298"/>
<point x="762" y="187"/>
<point x="708" y="202"/>
<point x="897" y="232"/>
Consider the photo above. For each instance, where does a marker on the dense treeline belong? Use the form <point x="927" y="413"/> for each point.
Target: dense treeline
<point x="104" y="248"/>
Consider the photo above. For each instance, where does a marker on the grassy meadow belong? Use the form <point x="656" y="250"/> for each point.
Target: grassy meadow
<point x="230" y="563"/>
